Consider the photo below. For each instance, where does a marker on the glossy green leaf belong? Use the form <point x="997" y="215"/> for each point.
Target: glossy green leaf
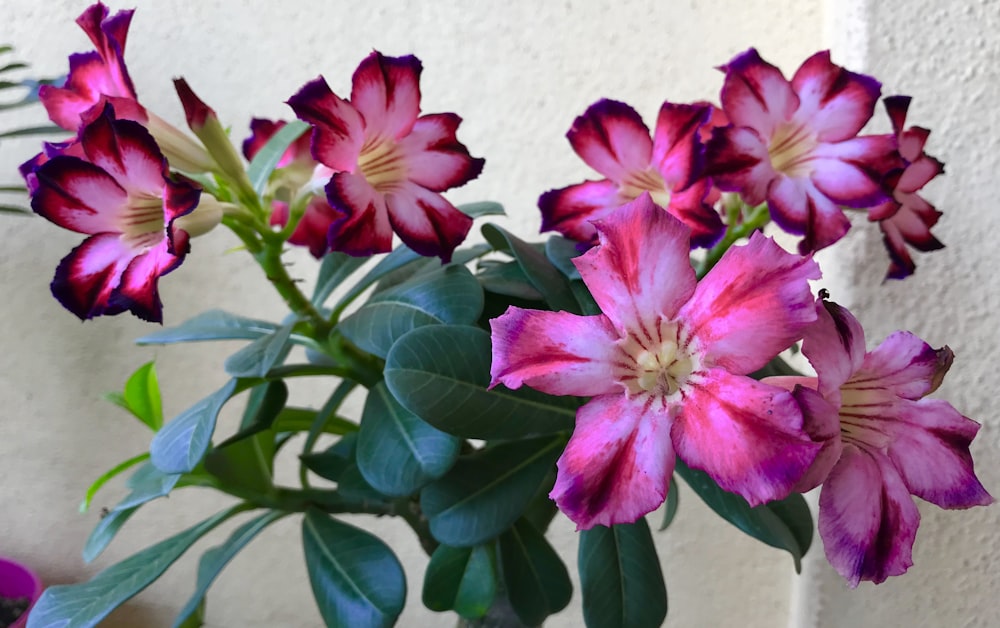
<point x="294" y="419"/>
<point x="545" y="277"/>
<point x="264" y="405"/>
<point x="482" y="208"/>
<point x="620" y="577"/>
<point x="786" y="524"/>
<point x="267" y="158"/>
<point x="113" y="472"/>
<point x="536" y="579"/>
<point x="181" y="444"/>
<point x="450" y="296"/>
<point x="670" y="507"/>
<point x="215" y="560"/>
<point x="331" y="463"/>
<point x="418" y="451"/>
<point x="356" y="579"/>
<point x="333" y="270"/>
<point x="210" y="325"/>
<point x="462" y="579"/>
<point x="508" y="278"/>
<point x="84" y="605"/>
<point x="441" y="374"/>
<point x="105" y="531"/>
<point x="354" y="487"/>
<point x="258" y="357"/>
<point x="561" y="252"/>
<point x="486" y="492"/>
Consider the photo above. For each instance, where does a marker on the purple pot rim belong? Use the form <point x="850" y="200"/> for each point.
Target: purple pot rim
<point x="37" y="586"/>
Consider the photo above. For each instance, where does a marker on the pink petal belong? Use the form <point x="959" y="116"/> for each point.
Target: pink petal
<point x="262" y="130"/>
<point x="611" y="137"/>
<point x="905" y="365"/>
<point x="78" y="195"/>
<point x="435" y="159"/>
<point x="896" y="107"/>
<point x="798" y="207"/>
<point x="691" y="208"/>
<point x="127" y="152"/>
<point x="313" y="227"/>
<point x="677" y="151"/>
<point x="850" y="172"/>
<point x="822" y="423"/>
<point x="362" y="224"/>
<point x="86" y="278"/>
<point x="835" y="346"/>
<point x="867" y="518"/>
<point x="641" y="270"/>
<point x="930" y="447"/>
<point x="751" y="306"/>
<point x="386" y="92"/>
<point x="86" y="82"/>
<point x="425" y="221"/>
<point x="836" y="102"/>
<point x="338" y="129"/>
<point x="745" y="434"/>
<point x="756" y="95"/>
<point x="555" y="352"/>
<point x="918" y="174"/>
<point x="571" y="210"/>
<point x="616" y="466"/>
<point x="738" y="161"/>
<point x="138" y="287"/>
<point x="910" y="224"/>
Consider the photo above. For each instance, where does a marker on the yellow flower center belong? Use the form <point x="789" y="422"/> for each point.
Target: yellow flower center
<point x="142" y="224"/>
<point x="791" y="149"/>
<point x="382" y="164"/>
<point x="657" y="363"/>
<point x="646" y="181"/>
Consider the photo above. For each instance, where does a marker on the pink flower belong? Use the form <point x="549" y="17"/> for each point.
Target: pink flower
<point x="262" y="130"/>
<point x="795" y="144"/>
<point x="906" y="218"/>
<point x="611" y="137"/>
<point x="665" y="365"/>
<point x="120" y="194"/>
<point x="883" y="441"/>
<point x="390" y="163"/>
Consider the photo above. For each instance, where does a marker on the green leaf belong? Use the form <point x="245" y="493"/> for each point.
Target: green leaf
<point x="449" y="296"/>
<point x="785" y="524"/>
<point x="673" y="501"/>
<point x="486" y="492"/>
<point x="777" y="367"/>
<point x="46" y="129"/>
<point x="482" y="208"/>
<point x="247" y="463"/>
<point x="264" y="406"/>
<point x="508" y="279"/>
<point x="356" y="579"/>
<point x="265" y="161"/>
<point x="16" y="209"/>
<point x="181" y="444"/>
<point x="536" y="579"/>
<point x="620" y="577"/>
<point x="211" y="325"/>
<point x="84" y="605"/>
<point x="441" y="374"/>
<point x="258" y="357"/>
<point x="353" y="486"/>
<point x="215" y="560"/>
<point x="331" y="463"/>
<point x="462" y="579"/>
<point x="107" y="475"/>
<point x="335" y="268"/>
<point x="141" y="397"/>
<point x="104" y="532"/>
<point x="560" y="252"/>
<point x="418" y="452"/>
<point x="545" y="277"/>
<point x="399" y="258"/>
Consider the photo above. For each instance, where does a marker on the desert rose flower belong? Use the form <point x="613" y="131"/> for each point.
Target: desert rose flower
<point x="389" y="162"/>
<point x="665" y="366"/>
<point x="612" y="139"/>
<point x="883" y="442"/>
<point x="795" y="144"/>
<point x="121" y="195"/>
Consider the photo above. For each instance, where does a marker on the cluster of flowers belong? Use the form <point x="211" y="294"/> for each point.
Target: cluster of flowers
<point x="667" y="362"/>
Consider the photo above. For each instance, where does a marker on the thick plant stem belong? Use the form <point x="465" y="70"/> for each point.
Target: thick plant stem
<point x="270" y="261"/>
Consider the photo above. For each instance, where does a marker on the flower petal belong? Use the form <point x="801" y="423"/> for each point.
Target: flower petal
<point x="905" y="365"/>
<point x="313" y="227"/>
<point x="690" y="207"/>
<point x="362" y="224"/>
<point x="835" y="346"/>
<point x="572" y="210"/>
<point x="738" y="161"/>
<point x="641" y="270"/>
<point x="555" y="352"/>
<point x="821" y="421"/>
<point x="86" y="82"/>
<point x="836" y="102"/>
<point x="127" y="152"/>
<point x="746" y="435"/>
<point x="86" y="278"/>
<point x="867" y="518"/>
<point x="78" y="195"/>
<point x="677" y="151"/>
<point x="798" y="207"/>
<point x="616" y="466"/>
<point x="137" y="291"/>
<point x="611" y="137"/>
<point x="751" y="306"/>
<point x="435" y="159"/>
<point x="338" y="128"/>
<point x="386" y="92"/>
<point x="755" y="94"/>
<point x="425" y="221"/>
<point x="262" y="130"/>
<point x="850" y="172"/>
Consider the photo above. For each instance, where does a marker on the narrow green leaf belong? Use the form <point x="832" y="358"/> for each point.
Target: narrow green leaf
<point x="482" y="208"/>
<point x="215" y="560"/>
<point x="84" y="605"/>
<point x="356" y="579"/>
<point x="462" y="579"/>
<point x="419" y="452"/>
<point x="441" y="374"/>
<point x="540" y="272"/>
<point x="17" y="189"/>
<point x="486" y="492"/>
<point x="301" y="420"/>
<point x="105" y="531"/>
<point x="258" y="357"/>
<point x="47" y="129"/>
<point x="536" y="579"/>
<point x="181" y="444"/>
<point x="142" y="394"/>
<point x="450" y="296"/>
<point x="670" y="508"/>
<point x="107" y="475"/>
<point x="16" y="209"/>
<point x="620" y="577"/>
<point x="196" y="619"/>
<point x="265" y="161"/>
<point x="211" y="325"/>
<point x="335" y="268"/>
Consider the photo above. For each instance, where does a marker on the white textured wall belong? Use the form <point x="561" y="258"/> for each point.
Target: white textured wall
<point x="518" y="72"/>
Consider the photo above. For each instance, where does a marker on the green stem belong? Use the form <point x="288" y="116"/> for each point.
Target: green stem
<point x="758" y="217"/>
<point x="328" y="411"/>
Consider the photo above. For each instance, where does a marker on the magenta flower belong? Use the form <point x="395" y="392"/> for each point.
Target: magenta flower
<point x="262" y="130"/>
<point x="665" y="365"/>
<point x="611" y="137"/>
<point x="906" y="218"/>
<point x="390" y="163"/>
<point x="884" y="441"/>
<point x="122" y="197"/>
<point x="795" y="144"/>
